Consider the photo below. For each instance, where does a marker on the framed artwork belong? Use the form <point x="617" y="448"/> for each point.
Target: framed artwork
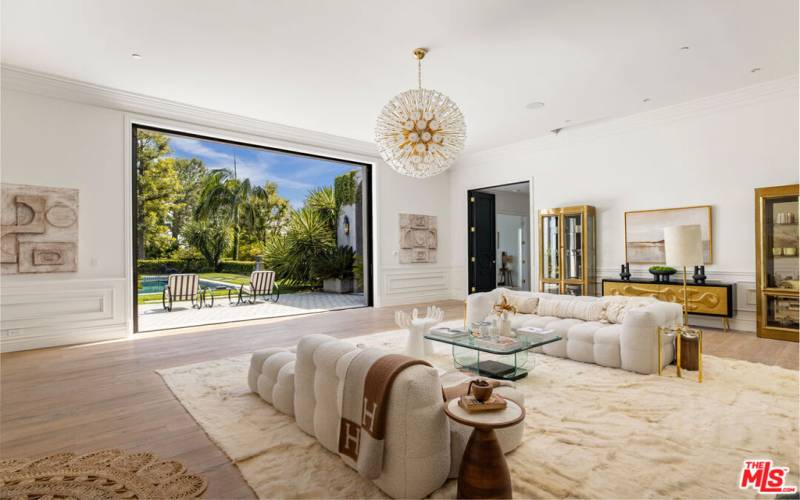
<point x="418" y="239"/>
<point x="39" y="229"/>
<point x="644" y="232"/>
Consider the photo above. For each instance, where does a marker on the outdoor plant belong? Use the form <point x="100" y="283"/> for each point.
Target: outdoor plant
<point x="337" y="263"/>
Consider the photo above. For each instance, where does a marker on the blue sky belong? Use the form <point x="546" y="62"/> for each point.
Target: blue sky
<point x="295" y="175"/>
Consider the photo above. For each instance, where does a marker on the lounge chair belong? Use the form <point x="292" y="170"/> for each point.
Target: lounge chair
<point x="184" y="287"/>
<point x="261" y="283"/>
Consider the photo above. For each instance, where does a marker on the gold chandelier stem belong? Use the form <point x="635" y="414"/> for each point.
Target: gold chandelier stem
<point x="419" y="73"/>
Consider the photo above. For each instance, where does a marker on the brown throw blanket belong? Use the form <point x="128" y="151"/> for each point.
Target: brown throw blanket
<point x="365" y="399"/>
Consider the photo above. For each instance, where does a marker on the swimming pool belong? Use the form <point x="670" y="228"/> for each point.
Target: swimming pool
<point x="155" y="284"/>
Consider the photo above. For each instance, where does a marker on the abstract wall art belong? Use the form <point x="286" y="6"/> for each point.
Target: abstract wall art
<point x="644" y="232"/>
<point x="418" y="239"/>
<point x="39" y="229"/>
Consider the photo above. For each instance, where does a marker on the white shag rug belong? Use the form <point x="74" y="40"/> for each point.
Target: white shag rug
<point x="590" y="431"/>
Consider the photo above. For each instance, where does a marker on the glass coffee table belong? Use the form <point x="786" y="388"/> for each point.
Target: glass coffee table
<point x="504" y="358"/>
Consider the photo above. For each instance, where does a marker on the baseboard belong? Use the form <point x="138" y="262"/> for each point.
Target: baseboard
<point x="39" y="338"/>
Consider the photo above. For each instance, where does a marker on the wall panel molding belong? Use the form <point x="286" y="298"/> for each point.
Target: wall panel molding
<point x="77" y="311"/>
<point x="411" y="285"/>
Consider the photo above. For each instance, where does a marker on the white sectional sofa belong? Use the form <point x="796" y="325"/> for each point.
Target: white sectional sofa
<point x="619" y="332"/>
<point x="422" y="447"/>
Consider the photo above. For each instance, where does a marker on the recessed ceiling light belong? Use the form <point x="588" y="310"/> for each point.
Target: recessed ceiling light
<point x="136" y="56"/>
<point x="534" y="105"/>
<point x="755" y="70"/>
<point x="646" y="99"/>
<point x="685" y="47"/>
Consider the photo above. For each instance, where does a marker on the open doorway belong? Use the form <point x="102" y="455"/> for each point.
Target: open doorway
<point x="499" y="237"/>
<point x="226" y="231"/>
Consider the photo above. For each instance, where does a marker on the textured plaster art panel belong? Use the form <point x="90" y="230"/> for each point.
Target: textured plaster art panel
<point x="39" y="230"/>
<point x="418" y="239"/>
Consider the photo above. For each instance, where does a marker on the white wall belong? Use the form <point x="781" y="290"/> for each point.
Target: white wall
<point x="57" y="132"/>
<point x="713" y="151"/>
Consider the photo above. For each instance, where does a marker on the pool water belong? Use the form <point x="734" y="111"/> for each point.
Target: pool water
<point x="155" y="284"/>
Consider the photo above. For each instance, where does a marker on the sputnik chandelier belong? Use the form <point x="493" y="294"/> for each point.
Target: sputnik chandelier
<point x="420" y="131"/>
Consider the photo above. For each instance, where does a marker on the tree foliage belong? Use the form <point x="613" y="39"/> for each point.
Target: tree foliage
<point x="185" y="211"/>
<point x="211" y="237"/>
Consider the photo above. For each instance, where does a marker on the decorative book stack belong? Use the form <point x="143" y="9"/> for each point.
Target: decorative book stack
<point x="472" y="405"/>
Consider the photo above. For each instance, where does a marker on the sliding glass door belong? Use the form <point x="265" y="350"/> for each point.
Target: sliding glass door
<point x="226" y="231"/>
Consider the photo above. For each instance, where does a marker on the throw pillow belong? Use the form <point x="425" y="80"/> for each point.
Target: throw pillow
<point x="586" y="310"/>
<point x="524" y="305"/>
<point x="616" y="307"/>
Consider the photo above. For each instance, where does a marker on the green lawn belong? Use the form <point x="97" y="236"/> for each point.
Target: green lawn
<point x="235" y="279"/>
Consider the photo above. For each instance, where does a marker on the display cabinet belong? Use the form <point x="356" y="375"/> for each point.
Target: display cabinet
<point x="567" y="250"/>
<point x="777" y="273"/>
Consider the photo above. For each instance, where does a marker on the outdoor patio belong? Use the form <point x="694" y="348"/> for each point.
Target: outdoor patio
<point x="154" y="317"/>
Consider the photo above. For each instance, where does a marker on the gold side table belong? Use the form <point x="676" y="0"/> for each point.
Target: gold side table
<point x="678" y="332"/>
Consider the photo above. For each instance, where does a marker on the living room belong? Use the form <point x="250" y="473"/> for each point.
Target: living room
<point x="585" y="213"/>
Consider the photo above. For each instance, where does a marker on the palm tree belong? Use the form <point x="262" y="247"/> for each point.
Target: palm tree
<point x="231" y="199"/>
<point x="324" y="202"/>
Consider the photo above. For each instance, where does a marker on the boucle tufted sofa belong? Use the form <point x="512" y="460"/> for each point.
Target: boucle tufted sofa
<point x="619" y="332"/>
<point x="422" y="447"/>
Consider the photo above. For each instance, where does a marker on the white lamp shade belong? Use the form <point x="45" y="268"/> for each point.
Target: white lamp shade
<point x="683" y="246"/>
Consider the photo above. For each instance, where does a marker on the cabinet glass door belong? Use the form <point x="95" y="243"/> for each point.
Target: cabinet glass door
<point x="573" y="246"/>
<point x="550" y="257"/>
<point x="782" y="311"/>
<point x="573" y="289"/>
<point x="551" y="288"/>
<point x="780" y="226"/>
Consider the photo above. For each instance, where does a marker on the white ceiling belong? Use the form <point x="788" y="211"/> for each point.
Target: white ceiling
<point x="331" y="65"/>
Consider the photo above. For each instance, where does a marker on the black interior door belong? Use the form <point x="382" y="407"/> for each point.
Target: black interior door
<point x="482" y="253"/>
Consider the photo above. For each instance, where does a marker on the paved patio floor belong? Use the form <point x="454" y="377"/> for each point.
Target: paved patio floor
<point x="154" y="317"/>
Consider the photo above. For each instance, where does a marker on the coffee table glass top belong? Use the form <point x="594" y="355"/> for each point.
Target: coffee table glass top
<point x="492" y="345"/>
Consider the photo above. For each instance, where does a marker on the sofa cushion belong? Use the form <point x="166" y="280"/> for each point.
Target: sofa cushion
<point x="606" y="346"/>
<point x="560" y="327"/>
<point x="327" y="411"/>
<point x="257" y="363"/>
<point x="283" y="392"/>
<point x="580" y="343"/>
<point x="269" y="373"/>
<point x="586" y="310"/>
<point x="304" y="400"/>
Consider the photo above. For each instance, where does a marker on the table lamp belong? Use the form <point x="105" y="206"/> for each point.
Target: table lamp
<point x="683" y="246"/>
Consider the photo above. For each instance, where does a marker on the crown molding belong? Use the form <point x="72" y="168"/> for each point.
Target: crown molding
<point x="774" y="89"/>
<point x="34" y="82"/>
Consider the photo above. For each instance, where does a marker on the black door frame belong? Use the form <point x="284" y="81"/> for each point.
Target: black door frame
<point x="471" y="235"/>
<point x="369" y="292"/>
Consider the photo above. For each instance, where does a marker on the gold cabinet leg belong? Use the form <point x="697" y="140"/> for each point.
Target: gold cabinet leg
<point x="725" y="324"/>
<point x="678" y="347"/>
<point x="658" y="340"/>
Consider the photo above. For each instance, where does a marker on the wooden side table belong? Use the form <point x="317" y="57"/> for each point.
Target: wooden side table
<point x="684" y="336"/>
<point x="484" y="472"/>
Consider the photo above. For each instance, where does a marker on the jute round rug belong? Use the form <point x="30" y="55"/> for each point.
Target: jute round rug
<point x="590" y="431"/>
<point x="104" y="474"/>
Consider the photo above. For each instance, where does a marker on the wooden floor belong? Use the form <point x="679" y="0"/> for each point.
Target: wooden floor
<point x="106" y="395"/>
